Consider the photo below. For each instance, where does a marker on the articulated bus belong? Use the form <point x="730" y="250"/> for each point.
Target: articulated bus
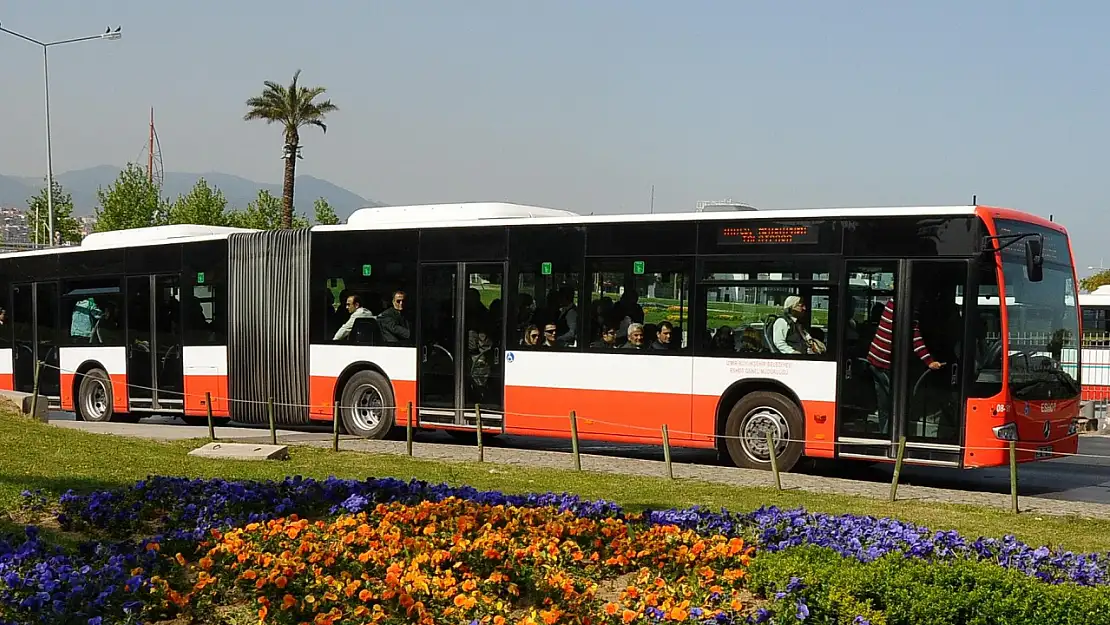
<point x="836" y="331"/>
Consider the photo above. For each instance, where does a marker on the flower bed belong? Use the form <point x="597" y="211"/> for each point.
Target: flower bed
<point x="341" y="551"/>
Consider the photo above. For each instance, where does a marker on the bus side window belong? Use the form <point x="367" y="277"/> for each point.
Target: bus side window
<point x="549" y="295"/>
<point x="742" y="302"/>
<point x="91" y="313"/>
<point x="639" y="305"/>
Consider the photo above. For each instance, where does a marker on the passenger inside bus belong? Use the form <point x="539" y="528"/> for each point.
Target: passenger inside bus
<point x="635" y="336"/>
<point x="789" y="333"/>
<point x="392" y="323"/>
<point x="355" y="312"/>
<point x="881" y="354"/>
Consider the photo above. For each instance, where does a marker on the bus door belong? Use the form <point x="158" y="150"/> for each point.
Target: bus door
<point x="900" y="316"/>
<point x="461" y="338"/>
<point x="154" y="340"/>
<point x="34" y="316"/>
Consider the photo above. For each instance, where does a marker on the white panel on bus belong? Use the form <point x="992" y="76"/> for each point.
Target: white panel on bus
<point x="7" y="367"/>
<point x="114" y="358"/>
<point x="811" y="380"/>
<point x="626" y="371"/>
<point x="398" y="363"/>
<point x="204" y="360"/>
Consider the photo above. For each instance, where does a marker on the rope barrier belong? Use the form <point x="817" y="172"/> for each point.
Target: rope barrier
<point x="580" y="420"/>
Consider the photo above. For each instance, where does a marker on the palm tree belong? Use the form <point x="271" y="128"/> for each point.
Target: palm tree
<point x="292" y="107"/>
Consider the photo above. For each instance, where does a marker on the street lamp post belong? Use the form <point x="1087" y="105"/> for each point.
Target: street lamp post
<point x="109" y="35"/>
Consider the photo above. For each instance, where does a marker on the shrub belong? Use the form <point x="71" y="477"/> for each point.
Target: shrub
<point x="896" y="590"/>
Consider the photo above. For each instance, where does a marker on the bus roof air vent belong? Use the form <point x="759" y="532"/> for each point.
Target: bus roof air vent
<point x="722" y="206"/>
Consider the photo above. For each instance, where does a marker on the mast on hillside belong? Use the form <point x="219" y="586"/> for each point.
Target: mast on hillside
<point x="152" y="153"/>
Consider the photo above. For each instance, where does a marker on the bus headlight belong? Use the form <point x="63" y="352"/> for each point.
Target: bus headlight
<point x="1073" y="427"/>
<point x="1007" y="432"/>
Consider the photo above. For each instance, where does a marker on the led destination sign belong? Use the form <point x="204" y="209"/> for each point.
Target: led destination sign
<point x="768" y="233"/>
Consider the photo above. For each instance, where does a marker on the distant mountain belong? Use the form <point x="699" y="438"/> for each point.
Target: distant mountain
<point x="83" y="183"/>
<point x="14" y="191"/>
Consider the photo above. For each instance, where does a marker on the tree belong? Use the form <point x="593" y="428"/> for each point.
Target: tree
<point x="203" y="206"/>
<point x="66" y="228"/>
<point x="1092" y="282"/>
<point x="132" y="201"/>
<point x="264" y="213"/>
<point x="325" y="214"/>
<point x="293" y="107"/>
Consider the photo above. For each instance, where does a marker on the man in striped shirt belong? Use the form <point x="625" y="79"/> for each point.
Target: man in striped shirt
<point x="880" y="355"/>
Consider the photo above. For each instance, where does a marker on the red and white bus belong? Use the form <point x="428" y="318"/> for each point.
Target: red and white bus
<point x="456" y="299"/>
<point x="1095" y="307"/>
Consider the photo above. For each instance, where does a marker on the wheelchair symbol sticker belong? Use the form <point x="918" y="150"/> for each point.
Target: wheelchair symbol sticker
<point x="509" y="357"/>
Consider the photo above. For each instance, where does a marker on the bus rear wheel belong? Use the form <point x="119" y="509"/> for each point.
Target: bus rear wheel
<point x="752" y="418"/>
<point x="367" y="405"/>
<point x="94" y="397"/>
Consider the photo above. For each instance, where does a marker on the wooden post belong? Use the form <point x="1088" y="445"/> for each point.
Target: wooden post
<point x="478" y="418"/>
<point x="1013" y="478"/>
<point x="574" y="441"/>
<point x="897" y="468"/>
<point x="273" y="424"/>
<point x="211" y="425"/>
<point x="35" y="392"/>
<point x="774" y="460"/>
<point x="408" y="431"/>
<point x="335" y="427"/>
<point x="667" y="452"/>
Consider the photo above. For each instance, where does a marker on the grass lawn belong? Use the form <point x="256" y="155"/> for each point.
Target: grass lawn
<point x="38" y="456"/>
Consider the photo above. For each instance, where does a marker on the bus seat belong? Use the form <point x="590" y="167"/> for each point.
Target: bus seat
<point x="365" y="331"/>
<point x="769" y="333"/>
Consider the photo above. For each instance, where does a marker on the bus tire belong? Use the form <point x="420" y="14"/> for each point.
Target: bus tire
<point x="366" y="405"/>
<point x="751" y="418"/>
<point x="94" y="397"/>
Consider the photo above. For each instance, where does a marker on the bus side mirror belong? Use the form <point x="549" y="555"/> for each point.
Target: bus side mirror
<point x="1034" y="260"/>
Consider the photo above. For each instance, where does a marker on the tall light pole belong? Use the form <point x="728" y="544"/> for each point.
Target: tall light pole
<point x="109" y="35"/>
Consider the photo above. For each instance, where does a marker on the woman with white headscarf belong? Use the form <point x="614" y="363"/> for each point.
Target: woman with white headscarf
<point x="790" y="337"/>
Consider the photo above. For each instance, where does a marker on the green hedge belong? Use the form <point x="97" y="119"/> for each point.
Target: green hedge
<point x="896" y="590"/>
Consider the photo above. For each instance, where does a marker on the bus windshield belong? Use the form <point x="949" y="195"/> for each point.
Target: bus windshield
<point x="1043" y="318"/>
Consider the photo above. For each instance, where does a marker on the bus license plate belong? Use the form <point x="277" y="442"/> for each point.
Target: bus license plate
<point x="1044" y="452"/>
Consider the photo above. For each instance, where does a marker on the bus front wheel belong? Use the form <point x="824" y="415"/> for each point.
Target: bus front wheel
<point x="749" y="422"/>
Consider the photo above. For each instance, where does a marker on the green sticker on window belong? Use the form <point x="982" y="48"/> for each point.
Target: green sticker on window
<point x="545" y="269"/>
<point x="638" y="267"/>
<point x="366" y="270"/>
<point x="200" y="277"/>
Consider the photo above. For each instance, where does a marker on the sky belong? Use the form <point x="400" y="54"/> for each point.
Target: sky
<point x="585" y="105"/>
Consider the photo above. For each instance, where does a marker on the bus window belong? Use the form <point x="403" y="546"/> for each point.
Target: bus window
<point x="92" y="312"/>
<point x="766" y="308"/>
<point x="376" y="285"/>
<point x="650" y="297"/>
<point x="547" y="295"/>
<point x="204" y="314"/>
